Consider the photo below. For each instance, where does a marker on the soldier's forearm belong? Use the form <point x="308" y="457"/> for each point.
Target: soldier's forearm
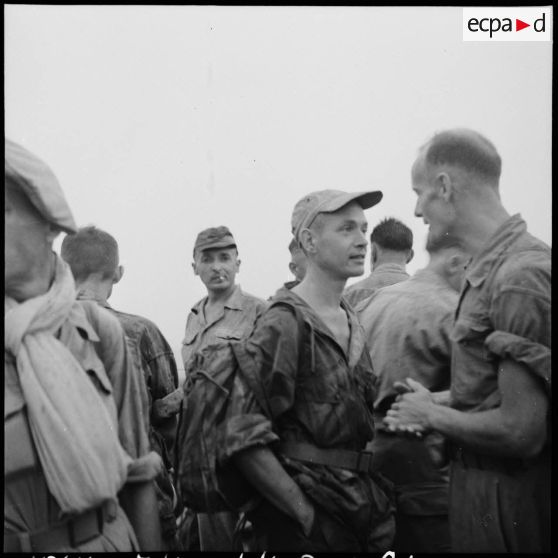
<point x="267" y="475"/>
<point x="140" y="504"/>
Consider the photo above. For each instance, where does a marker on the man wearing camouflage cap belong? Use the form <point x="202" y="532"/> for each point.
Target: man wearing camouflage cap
<point x="75" y="448"/>
<point x="225" y="314"/>
<point x="309" y="382"/>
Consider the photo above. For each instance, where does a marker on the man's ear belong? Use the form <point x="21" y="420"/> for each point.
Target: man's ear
<point x="445" y="185"/>
<point x="118" y="273"/>
<point x="307" y="241"/>
<point x="410" y="256"/>
<point x="238" y="262"/>
<point x="292" y="268"/>
<point x="194" y="267"/>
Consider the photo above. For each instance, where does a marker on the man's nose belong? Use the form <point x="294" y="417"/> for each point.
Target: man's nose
<point x="362" y="240"/>
<point x="418" y="210"/>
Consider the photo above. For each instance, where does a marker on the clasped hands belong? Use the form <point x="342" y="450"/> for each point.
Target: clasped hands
<point x="409" y="412"/>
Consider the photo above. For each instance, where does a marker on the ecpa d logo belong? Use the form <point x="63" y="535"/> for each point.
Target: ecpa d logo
<point x="507" y="24"/>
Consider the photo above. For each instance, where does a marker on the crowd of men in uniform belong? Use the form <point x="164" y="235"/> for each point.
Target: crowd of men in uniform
<point x="406" y="413"/>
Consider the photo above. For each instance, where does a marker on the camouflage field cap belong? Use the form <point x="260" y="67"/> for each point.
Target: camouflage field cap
<point x="327" y="201"/>
<point x="214" y="237"/>
<point x="38" y="183"/>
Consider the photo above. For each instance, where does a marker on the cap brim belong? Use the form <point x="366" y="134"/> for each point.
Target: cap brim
<point x="364" y="199"/>
<point x="216" y="244"/>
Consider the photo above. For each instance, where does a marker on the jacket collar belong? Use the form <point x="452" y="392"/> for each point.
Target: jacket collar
<point x="493" y="248"/>
<point x="234" y="302"/>
<point x="357" y="338"/>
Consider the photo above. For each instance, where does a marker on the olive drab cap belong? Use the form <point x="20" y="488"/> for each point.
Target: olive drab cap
<point x="214" y="237"/>
<point x="40" y="186"/>
<point x="327" y="201"/>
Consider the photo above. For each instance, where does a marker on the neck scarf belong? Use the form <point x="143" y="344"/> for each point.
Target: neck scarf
<point x="75" y="437"/>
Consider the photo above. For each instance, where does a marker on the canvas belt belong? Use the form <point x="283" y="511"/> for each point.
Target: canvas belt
<point x="71" y="532"/>
<point x="360" y="461"/>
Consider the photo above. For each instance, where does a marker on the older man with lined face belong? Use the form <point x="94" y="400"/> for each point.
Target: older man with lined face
<point x="77" y="454"/>
<point x="498" y="416"/>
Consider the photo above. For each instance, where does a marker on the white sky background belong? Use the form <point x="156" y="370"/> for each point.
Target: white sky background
<point x="162" y="121"/>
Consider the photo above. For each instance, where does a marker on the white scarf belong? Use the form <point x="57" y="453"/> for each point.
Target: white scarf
<point x="75" y="437"/>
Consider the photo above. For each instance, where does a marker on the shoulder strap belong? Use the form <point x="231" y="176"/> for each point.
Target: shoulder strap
<point x="300" y="327"/>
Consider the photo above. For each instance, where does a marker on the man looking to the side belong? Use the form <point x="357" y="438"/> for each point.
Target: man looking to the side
<point x="305" y="414"/>
<point x="498" y="420"/>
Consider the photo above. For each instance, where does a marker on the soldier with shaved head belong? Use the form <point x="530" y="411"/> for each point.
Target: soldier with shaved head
<point x="498" y="417"/>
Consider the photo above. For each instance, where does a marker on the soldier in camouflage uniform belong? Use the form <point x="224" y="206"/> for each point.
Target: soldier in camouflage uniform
<point x="225" y="314"/>
<point x="305" y="392"/>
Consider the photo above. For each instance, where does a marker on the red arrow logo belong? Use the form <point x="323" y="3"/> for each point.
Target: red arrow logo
<point x="519" y="25"/>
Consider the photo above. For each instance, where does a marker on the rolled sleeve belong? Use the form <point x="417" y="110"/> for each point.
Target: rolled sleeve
<point x="243" y="432"/>
<point x="535" y="356"/>
<point x="271" y="359"/>
<point x="167" y="406"/>
<point x="264" y="387"/>
<point x="145" y="468"/>
<point x="246" y="425"/>
<point x="521" y="317"/>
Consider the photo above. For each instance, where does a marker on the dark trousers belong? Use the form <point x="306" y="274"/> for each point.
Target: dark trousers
<point x="421" y="534"/>
<point x="500" y="508"/>
<point x="276" y="532"/>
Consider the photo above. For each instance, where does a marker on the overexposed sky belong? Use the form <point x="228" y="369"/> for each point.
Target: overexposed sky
<point x="162" y="121"/>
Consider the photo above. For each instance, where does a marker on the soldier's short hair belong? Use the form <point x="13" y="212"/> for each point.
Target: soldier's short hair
<point x="466" y="149"/>
<point x="90" y="250"/>
<point x="392" y="234"/>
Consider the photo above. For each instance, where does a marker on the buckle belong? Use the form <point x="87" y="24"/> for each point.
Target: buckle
<point x="108" y="513"/>
<point x="85" y="527"/>
<point x="364" y="463"/>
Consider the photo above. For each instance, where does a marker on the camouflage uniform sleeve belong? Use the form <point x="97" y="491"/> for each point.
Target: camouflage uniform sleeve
<point x="265" y="383"/>
<point x="166" y="396"/>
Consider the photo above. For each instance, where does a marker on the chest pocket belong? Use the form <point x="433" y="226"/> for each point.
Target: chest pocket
<point x="19" y="454"/>
<point x="471" y="333"/>
<point x="229" y="334"/>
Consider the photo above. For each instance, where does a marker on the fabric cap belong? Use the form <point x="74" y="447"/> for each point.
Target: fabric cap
<point x="327" y="201"/>
<point x="215" y="237"/>
<point x="39" y="184"/>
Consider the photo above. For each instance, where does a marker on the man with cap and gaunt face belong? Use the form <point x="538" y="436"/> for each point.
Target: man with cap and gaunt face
<point x="226" y="313"/>
<point x="300" y="433"/>
<point x="75" y="448"/>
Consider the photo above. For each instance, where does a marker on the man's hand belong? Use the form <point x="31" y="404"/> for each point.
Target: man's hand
<point x="306" y="518"/>
<point x="409" y="413"/>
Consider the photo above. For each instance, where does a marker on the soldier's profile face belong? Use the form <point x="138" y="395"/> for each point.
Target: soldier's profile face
<point x="435" y="212"/>
<point x="340" y="240"/>
<point x="217" y="268"/>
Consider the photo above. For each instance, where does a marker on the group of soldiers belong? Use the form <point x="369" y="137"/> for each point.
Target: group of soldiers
<point x="406" y="413"/>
